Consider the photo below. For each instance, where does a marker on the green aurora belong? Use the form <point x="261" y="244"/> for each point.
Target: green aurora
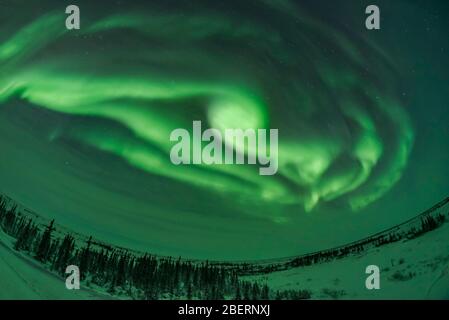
<point x="86" y="118"/>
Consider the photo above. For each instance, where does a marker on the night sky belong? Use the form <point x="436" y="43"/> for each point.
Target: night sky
<point x="85" y="120"/>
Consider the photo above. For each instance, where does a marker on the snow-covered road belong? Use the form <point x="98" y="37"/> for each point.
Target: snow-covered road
<point x="22" y="278"/>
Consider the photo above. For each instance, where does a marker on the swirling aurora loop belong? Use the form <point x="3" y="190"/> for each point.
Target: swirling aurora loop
<point x="343" y="133"/>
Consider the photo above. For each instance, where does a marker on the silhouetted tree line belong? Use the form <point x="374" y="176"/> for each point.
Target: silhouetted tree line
<point x="123" y="272"/>
<point x="428" y="221"/>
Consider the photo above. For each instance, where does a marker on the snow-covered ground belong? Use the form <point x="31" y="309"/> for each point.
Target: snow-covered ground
<point x="410" y="269"/>
<point x="22" y="278"/>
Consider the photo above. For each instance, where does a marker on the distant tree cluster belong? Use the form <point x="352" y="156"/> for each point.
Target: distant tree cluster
<point x="293" y="295"/>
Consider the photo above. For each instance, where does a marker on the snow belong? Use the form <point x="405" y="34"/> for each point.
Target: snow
<point x="410" y="269"/>
<point x="24" y="279"/>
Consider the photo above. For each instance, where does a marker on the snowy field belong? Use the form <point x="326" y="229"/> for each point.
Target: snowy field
<point x="410" y="269"/>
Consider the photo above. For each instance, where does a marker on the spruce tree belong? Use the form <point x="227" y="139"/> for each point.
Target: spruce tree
<point x="44" y="245"/>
